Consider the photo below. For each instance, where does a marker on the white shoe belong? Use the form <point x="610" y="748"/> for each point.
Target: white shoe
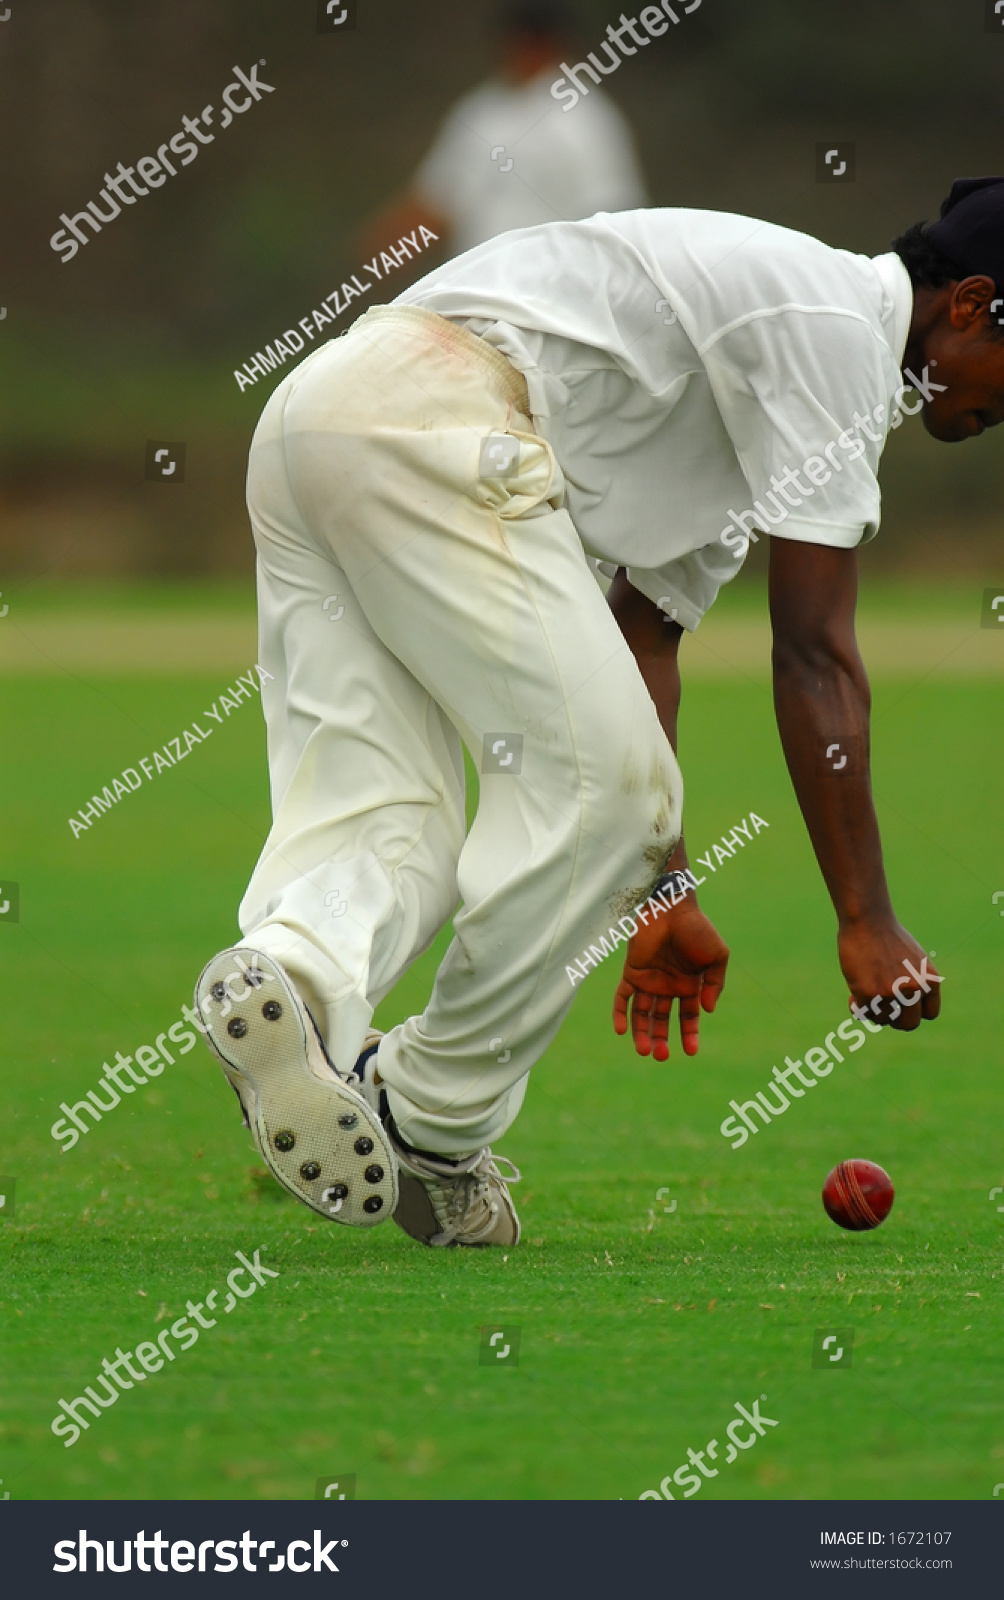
<point x="463" y="1202"/>
<point x="317" y="1133"/>
<point x="443" y="1202"/>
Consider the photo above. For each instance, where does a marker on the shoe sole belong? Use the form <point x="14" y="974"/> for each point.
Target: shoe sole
<point x="413" y="1213"/>
<point x="289" y="1092"/>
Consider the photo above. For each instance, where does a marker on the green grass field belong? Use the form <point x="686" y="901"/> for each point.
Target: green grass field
<point x="641" y="1326"/>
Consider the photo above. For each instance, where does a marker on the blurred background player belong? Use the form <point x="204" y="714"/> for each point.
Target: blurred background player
<point x="508" y="156"/>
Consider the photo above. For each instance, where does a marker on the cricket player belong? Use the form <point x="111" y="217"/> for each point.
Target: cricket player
<point x="510" y="155"/>
<point x="431" y="495"/>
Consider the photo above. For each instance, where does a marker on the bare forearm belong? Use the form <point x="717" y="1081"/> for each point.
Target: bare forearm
<point x="653" y="640"/>
<point x="822" y="703"/>
<point x="399" y="219"/>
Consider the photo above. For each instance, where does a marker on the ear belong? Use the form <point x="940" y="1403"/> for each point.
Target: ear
<point x="971" y="301"/>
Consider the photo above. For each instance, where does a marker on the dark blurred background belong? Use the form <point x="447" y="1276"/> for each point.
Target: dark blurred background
<point x="137" y="337"/>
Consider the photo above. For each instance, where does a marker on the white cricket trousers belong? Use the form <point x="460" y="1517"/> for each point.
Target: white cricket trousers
<point x="412" y="599"/>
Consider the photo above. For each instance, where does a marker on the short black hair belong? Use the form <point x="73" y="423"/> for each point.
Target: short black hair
<point x="545" y="18"/>
<point x="927" y="266"/>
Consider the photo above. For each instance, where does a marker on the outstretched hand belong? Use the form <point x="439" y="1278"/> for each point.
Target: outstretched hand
<point x="677" y="956"/>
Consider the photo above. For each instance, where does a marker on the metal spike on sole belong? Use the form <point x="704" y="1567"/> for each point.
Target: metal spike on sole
<point x="316" y="1134"/>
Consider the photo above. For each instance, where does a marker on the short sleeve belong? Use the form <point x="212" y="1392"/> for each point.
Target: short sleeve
<point x="686" y="588"/>
<point x="807" y="394"/>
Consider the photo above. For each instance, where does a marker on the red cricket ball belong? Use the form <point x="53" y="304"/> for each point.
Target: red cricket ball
<point x="858" y="1195"/>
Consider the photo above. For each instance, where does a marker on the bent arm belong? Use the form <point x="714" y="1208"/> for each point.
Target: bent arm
<point x="397" y="220"/>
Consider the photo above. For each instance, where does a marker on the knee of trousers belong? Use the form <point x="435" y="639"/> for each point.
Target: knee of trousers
<point x="638" y="812"/>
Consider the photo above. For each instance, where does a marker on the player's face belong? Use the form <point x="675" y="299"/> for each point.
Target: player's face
<point x="965" y="357"/>
<point x="525" y="55"/>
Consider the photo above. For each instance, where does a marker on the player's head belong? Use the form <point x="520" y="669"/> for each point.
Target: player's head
<point x="957" y="269"/>
<point x="534" y="35"/>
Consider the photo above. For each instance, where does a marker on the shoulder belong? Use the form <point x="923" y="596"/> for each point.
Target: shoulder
<point x="741" y="268"/>
<point x="487" y="99"/>
<point x="598" y="110"/>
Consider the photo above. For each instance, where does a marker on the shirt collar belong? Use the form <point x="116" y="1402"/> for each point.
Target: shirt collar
<point x="897" y="311"/>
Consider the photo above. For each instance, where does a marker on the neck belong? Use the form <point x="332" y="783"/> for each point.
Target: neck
<point x="929" y="307"/>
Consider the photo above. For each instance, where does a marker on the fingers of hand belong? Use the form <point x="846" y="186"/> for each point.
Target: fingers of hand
<point x="621" y="998"/>
<point x="650" y="1025"/>
<point x="658" y="1029"/>
<point x="902" y="1016"/>
<point x="713" y="983"/>
<point x="690" y="1022"/>
<point x="887" y="1012"/>
<point x="905" y="1020"/>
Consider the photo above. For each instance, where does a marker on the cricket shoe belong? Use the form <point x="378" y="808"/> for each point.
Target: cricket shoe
<point x="315" y="1131"/>
<point x="442" y="1201"/>
<point x="462" y="1202"/>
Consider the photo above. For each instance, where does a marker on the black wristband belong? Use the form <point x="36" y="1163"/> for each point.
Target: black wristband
<point x="677" y="882"/>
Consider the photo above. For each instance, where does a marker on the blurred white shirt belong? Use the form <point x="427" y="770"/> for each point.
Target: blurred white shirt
<point x="506" y="157"/>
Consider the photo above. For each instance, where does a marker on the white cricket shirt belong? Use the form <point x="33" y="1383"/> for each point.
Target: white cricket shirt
<point x="506" y="157"/>
<point x="678" y="360"/>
